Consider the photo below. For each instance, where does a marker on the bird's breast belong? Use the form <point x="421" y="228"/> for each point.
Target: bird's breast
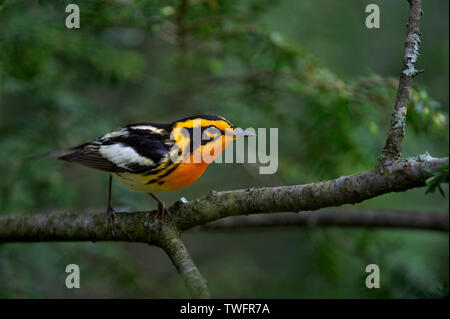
<point x="172" y="178"/>
<point x="175" y="175"/>
<point x="184" y="175"/>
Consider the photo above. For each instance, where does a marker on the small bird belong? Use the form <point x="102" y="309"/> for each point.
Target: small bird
<point x="155" y="158"/>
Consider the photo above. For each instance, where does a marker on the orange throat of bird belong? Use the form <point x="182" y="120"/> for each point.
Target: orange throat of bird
<point x="190" y="170"/>
<point x="180" y="173"/>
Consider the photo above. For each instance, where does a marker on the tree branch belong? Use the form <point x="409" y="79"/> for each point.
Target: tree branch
<point x="336" y="218"/>
<point x="181" y="259"/>
<point x="402" y="175"/>
<point x="393" y="147"/>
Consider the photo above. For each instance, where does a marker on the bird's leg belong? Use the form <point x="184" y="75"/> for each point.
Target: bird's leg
<point x="161" y="207"/>
<point x="110" y="213"/>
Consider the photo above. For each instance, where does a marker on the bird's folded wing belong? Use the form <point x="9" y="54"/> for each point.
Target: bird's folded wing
<point x="120" y="151"/>
<point x="89" y="156"/>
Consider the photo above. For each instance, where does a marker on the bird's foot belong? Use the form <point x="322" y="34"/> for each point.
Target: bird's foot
<point x="162" y="211"/>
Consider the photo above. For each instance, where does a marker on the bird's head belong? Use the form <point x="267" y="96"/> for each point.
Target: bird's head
<point x="206" y="134"/>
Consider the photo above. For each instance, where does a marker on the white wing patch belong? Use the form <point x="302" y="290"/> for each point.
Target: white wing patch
<point x="147" y="127"/>
<point x="116" y="133"/>
<point x="123" y="156"/>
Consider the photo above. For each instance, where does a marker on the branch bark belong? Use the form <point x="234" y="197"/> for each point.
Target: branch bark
<point x="402" y="175"/>
<point x="393" y="147"/>
<point x="173" y="246"/>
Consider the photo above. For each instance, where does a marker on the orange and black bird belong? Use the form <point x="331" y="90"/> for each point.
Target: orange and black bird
<point x="154" y="158"/>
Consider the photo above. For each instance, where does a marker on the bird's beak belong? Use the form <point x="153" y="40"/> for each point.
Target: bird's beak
<point x="240" y="132"/>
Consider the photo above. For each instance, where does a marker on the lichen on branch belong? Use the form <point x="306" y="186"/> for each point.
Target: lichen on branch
<point x="393" y="146"/>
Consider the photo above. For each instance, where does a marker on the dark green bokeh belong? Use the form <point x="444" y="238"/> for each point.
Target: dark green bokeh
<point x="309" y="68"/>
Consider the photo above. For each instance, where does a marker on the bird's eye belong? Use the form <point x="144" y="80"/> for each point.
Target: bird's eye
<point x="211" y="133"/>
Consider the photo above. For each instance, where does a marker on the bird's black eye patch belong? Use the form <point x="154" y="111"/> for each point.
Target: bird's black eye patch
<point x="211" y="130"/>
<point x="210" y="133"/>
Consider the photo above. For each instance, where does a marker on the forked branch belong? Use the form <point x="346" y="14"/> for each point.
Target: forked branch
<point x="393" y="147"/>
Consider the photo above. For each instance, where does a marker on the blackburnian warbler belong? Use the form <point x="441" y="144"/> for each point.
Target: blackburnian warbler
<point x="155" y="158"/>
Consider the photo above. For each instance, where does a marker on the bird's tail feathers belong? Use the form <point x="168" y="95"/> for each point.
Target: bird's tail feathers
<point x="61" y="154"/>
<point x="56" y="154"/>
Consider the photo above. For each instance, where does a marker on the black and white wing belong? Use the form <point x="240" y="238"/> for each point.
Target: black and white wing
<point x="135" y="148"/>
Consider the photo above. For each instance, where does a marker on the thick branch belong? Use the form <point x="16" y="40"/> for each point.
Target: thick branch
<point x="77" y="227"/>
<point x="393" y="147"/>
<point x="142" y="227"/>
<point x="402" y="175"/>
<point x="336" y="218"/>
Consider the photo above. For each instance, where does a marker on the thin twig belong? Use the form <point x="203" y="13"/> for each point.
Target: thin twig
<point x="336" y="218"/>
<point x="181" y="24"/>
<point x="181" y="259"/>
<point x="393" y="147"/>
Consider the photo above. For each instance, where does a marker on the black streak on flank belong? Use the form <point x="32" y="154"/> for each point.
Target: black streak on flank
<point x="152" y="181"/>
<point x="156" y="170"/>
<point x="159" y="178"/>
<point x="170" y="170"/>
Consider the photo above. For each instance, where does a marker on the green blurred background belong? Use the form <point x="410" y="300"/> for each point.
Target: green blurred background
<point x="310" y="68"/>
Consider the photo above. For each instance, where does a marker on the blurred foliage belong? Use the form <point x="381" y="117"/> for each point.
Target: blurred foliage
<point x="154" y="60"/>
<point x="439" y="176"/>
